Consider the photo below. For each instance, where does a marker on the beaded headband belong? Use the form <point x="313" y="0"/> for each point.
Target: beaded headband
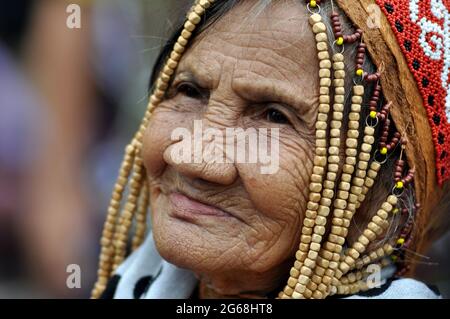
<point x="421" y="28"/>
<point x="324" y="265"/>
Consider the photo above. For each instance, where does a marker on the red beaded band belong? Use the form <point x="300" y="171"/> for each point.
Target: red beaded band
<point x="424" y="40"/>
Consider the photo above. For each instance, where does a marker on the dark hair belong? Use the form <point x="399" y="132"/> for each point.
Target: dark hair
<point x="217" y="9"/>
<point x="14" y="20"/>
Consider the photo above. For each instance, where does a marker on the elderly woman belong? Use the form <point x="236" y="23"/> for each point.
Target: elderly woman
<point x="354" y="97"/>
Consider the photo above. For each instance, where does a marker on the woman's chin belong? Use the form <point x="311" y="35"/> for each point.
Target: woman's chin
<point x="207" y="244"/>
<point x="190" y="244"/>
<point x="185" y="245"/>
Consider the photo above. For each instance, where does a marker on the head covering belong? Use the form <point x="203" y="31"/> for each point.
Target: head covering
<point x="422" y="32"/>
<point x="409" y="40"/>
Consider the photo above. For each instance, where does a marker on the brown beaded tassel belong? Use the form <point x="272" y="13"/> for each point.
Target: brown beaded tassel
<point x="361" y="51"/>
<point x="337" y="30"/>
<point x="404" y="242"/>
<point x="407" y="235"/>
<point x="115" y="233"/>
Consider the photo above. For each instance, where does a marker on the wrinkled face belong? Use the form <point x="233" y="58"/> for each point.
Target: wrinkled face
<point x="230" y="220"/>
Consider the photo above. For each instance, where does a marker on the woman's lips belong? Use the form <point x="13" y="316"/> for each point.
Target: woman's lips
<point x="187" y="208"/>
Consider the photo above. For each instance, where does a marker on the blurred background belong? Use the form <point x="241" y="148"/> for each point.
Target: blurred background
<point x="70" y="100"/>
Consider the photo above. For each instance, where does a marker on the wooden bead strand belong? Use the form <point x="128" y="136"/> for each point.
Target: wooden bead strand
<point x="307" y="269"/>
<point x="342" y="215"/>
<point x="369" y="180"/>
<point x="374" y="228"/>
<point x="193" y="8"/>
<point x="114" y="236"/>
<point x="352" y="38"/>
<point x="399" y="165"/>
<point x="318" y="269"/>
<point x="320" y="161"/>
<point x="106" y="242"/>
<point x="194" y="17"/>
<point x="354" y="285"/>
<point x="329" y="254"/>
<point x="377" y="256"/>
<point x="371" y="122"/>
<point x="126" y="218"/>
<point x="383" y="149"/>
<point x="370" y="258"/>
<point x="161" y="85"/>
<point x="141" y="217"/>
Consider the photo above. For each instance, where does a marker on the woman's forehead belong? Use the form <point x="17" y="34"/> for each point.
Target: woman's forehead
<point x="274" y="44"/>
<point x="273" y="16"/>
<point x="281" y="27"/>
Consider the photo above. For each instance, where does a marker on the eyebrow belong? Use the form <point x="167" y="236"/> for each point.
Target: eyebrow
<point x="264" y="90"/>
<point x="185" y="76"/>
<point x="257" y="91"/>
<point x="192" y="76"/>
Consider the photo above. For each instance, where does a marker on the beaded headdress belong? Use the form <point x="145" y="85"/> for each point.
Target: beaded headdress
<point x="325" y="264"/>
<point x="421" y="29"/>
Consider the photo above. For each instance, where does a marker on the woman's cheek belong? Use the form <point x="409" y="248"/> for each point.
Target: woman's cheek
<point x="158" y="136"/>
<point x="281" y="195"/>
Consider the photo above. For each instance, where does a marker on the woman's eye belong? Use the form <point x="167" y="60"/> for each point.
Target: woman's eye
<point x="189" y="90"/>
<point x="276" y="116"/>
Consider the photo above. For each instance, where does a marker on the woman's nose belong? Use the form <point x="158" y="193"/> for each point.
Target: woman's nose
<point x="201" y="160"/>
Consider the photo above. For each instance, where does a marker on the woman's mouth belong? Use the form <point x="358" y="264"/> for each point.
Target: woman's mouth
<point x="187" y="208"/>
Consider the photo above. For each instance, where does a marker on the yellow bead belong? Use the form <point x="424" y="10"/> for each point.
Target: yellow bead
<point x="395" y="211"/>
<point x="394" y="258"/>
<point x="340" y="41"/>
<point x="399" y="184"/>
<point x="312" y="3"/>
<point x="359" y="72"/>
<point x="373" y="114"/>
<point x="383" y="150"/>
<point x="401" y="241"/>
